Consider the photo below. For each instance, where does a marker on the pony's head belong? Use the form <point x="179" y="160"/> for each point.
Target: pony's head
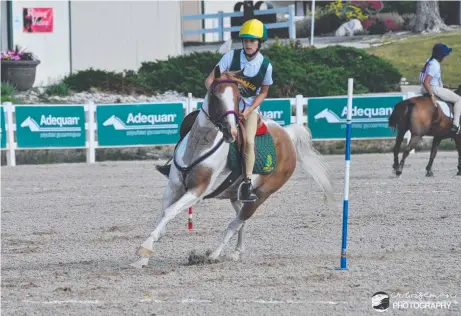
<point x="223" y="100"/>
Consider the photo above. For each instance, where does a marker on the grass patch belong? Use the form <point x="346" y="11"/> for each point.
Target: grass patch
<point x="59" y="89"/>
<point x="8" y="92"/>
<point x="408" y="56"/>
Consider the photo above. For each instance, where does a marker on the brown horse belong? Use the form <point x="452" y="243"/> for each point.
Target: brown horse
<point x="421" y="117"/>
<point x="200" y="167"/>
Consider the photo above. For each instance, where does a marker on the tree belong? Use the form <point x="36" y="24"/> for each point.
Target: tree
<point x="428" y="18"/>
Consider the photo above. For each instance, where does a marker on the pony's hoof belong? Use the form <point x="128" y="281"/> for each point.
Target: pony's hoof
<point x="140" y="263"/>
<point x="235" y="255"/>
<point x="429" y="173"/>
<point x="144" y="252"/>
<point x="398" y="172"/>
<point x="459" y="173"/>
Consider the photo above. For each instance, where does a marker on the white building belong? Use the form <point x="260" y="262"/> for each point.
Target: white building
<point x="108" y="35"/>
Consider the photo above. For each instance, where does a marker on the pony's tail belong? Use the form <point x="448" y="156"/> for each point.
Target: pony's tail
<point x="310" y="159"/>
<point x="398" y="113"/>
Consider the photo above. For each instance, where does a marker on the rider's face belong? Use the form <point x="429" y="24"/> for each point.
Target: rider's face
<point x="250" y="45"/>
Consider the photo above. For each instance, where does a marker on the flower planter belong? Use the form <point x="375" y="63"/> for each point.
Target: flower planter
<point x="20" y="73"/>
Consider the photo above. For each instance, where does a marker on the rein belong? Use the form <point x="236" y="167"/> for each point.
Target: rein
<point x="217" y="123"/>
<point x="222" y="116"/>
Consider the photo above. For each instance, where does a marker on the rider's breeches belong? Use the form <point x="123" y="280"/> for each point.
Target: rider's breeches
<point x="251" y="125"/>
<point x="450" y="96"/>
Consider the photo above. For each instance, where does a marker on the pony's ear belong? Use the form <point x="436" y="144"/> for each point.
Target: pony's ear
<point x="217" y="72"/>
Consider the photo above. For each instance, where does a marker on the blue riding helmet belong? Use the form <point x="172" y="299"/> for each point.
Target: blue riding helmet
<point x="441" y="50"/>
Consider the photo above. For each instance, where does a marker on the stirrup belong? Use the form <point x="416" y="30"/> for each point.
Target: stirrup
<point x="249" y="195"/>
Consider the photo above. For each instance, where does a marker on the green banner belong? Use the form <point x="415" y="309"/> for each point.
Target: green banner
<point x="50" y="126"/>
<point x="327" y="117"/>
<point x="277" y="110"/>
<point x="2" y="127"/>
<point x="139" y="124"/>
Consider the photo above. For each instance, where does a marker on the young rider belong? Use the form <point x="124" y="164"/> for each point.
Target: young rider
<point x="430" y="78"/>
<point x="257" y="77"/>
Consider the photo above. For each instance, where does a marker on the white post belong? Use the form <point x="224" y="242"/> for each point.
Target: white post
<point x="189" y="103"/>
<point x="91" y="150"/>
<point x="11" y="155"/>
<point x="291" y="22"/>
<point x="221" y="26"/>
<point x="299" y="109"/>
<point x="312" y="22"/>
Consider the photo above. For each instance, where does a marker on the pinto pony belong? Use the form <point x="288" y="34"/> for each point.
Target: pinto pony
<point x="200" y="167"/>
<point x="421" y="117"/>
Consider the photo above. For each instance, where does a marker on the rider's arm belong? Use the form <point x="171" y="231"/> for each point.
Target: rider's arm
<point x="427" y="84"/>
<point x="260" y="97"/>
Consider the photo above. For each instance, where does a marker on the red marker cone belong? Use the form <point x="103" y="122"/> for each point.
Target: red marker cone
<point x="190" y="225"/>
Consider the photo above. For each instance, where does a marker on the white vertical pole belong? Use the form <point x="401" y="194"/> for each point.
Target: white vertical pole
<point x="189" y="103"/>
<point x="299" y="109"/>
<point x="221" y="26"/>
<point x="11" y="155"/>
<point x="312" y="22"/>
<point x="291" y="22"/>
<point x="91" y="150"/>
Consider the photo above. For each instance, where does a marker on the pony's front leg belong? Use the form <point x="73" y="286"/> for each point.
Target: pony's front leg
<point x="183" y="203"/>
<point x="233" y="227"/>
<point x="235" y="255"/>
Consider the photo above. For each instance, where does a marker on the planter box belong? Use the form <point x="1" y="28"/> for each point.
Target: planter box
<point x="20" y="73"/>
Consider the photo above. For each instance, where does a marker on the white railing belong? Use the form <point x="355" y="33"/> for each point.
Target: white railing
<point x="290" y="24"/>
<point x="91" y="126"/>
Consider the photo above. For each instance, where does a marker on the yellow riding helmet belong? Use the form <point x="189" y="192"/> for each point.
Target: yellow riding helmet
<point x="253" y="29"/>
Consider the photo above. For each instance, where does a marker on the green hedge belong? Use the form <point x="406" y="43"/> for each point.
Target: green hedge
<point x="308" y="71"/>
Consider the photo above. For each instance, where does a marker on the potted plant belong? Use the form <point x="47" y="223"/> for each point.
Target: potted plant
<point x="19" y="68"/>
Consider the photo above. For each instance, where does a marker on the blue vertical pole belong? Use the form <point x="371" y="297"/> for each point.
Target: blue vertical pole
<point x="343" y="261"/>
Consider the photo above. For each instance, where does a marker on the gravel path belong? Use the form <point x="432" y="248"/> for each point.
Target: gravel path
<point x="69" y="232"/>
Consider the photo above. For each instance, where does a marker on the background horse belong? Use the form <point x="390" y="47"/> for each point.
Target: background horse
<point x="421" y="117"/>
<point x="201" y="164"/>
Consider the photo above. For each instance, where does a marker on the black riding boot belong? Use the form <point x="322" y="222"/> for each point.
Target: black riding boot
<point x="246" y="192"/>
<point x="165" y="169"/>
<point x="455" y="129"/>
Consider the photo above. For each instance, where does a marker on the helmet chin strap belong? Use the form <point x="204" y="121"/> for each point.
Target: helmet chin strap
<point x="251" y="55"/>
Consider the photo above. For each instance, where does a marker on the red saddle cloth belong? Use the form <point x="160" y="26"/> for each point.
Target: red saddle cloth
<point x="262" y="129"/>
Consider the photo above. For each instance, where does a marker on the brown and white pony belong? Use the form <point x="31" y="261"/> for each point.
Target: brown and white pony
<point x="200" y="164"/>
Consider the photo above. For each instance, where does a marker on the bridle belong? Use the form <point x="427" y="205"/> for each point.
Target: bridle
<point x="218" y="122"/>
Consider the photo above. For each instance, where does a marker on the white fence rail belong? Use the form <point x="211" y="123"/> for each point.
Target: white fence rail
<point x="91" y="126"/>
<point x="91" y="139"/>
<point x="290" y="24"/>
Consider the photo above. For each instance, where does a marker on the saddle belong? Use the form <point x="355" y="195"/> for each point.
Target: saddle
<point x="265" y="157"/>
<point x="189" y="120"/>
<point x="445" y="107"/>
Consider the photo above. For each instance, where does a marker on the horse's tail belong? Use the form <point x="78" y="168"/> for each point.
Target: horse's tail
<point x="310" y="159"/>
<point x="399" y="112"/>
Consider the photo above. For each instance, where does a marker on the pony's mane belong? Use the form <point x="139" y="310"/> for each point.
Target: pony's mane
<point x="231" y="75"/>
